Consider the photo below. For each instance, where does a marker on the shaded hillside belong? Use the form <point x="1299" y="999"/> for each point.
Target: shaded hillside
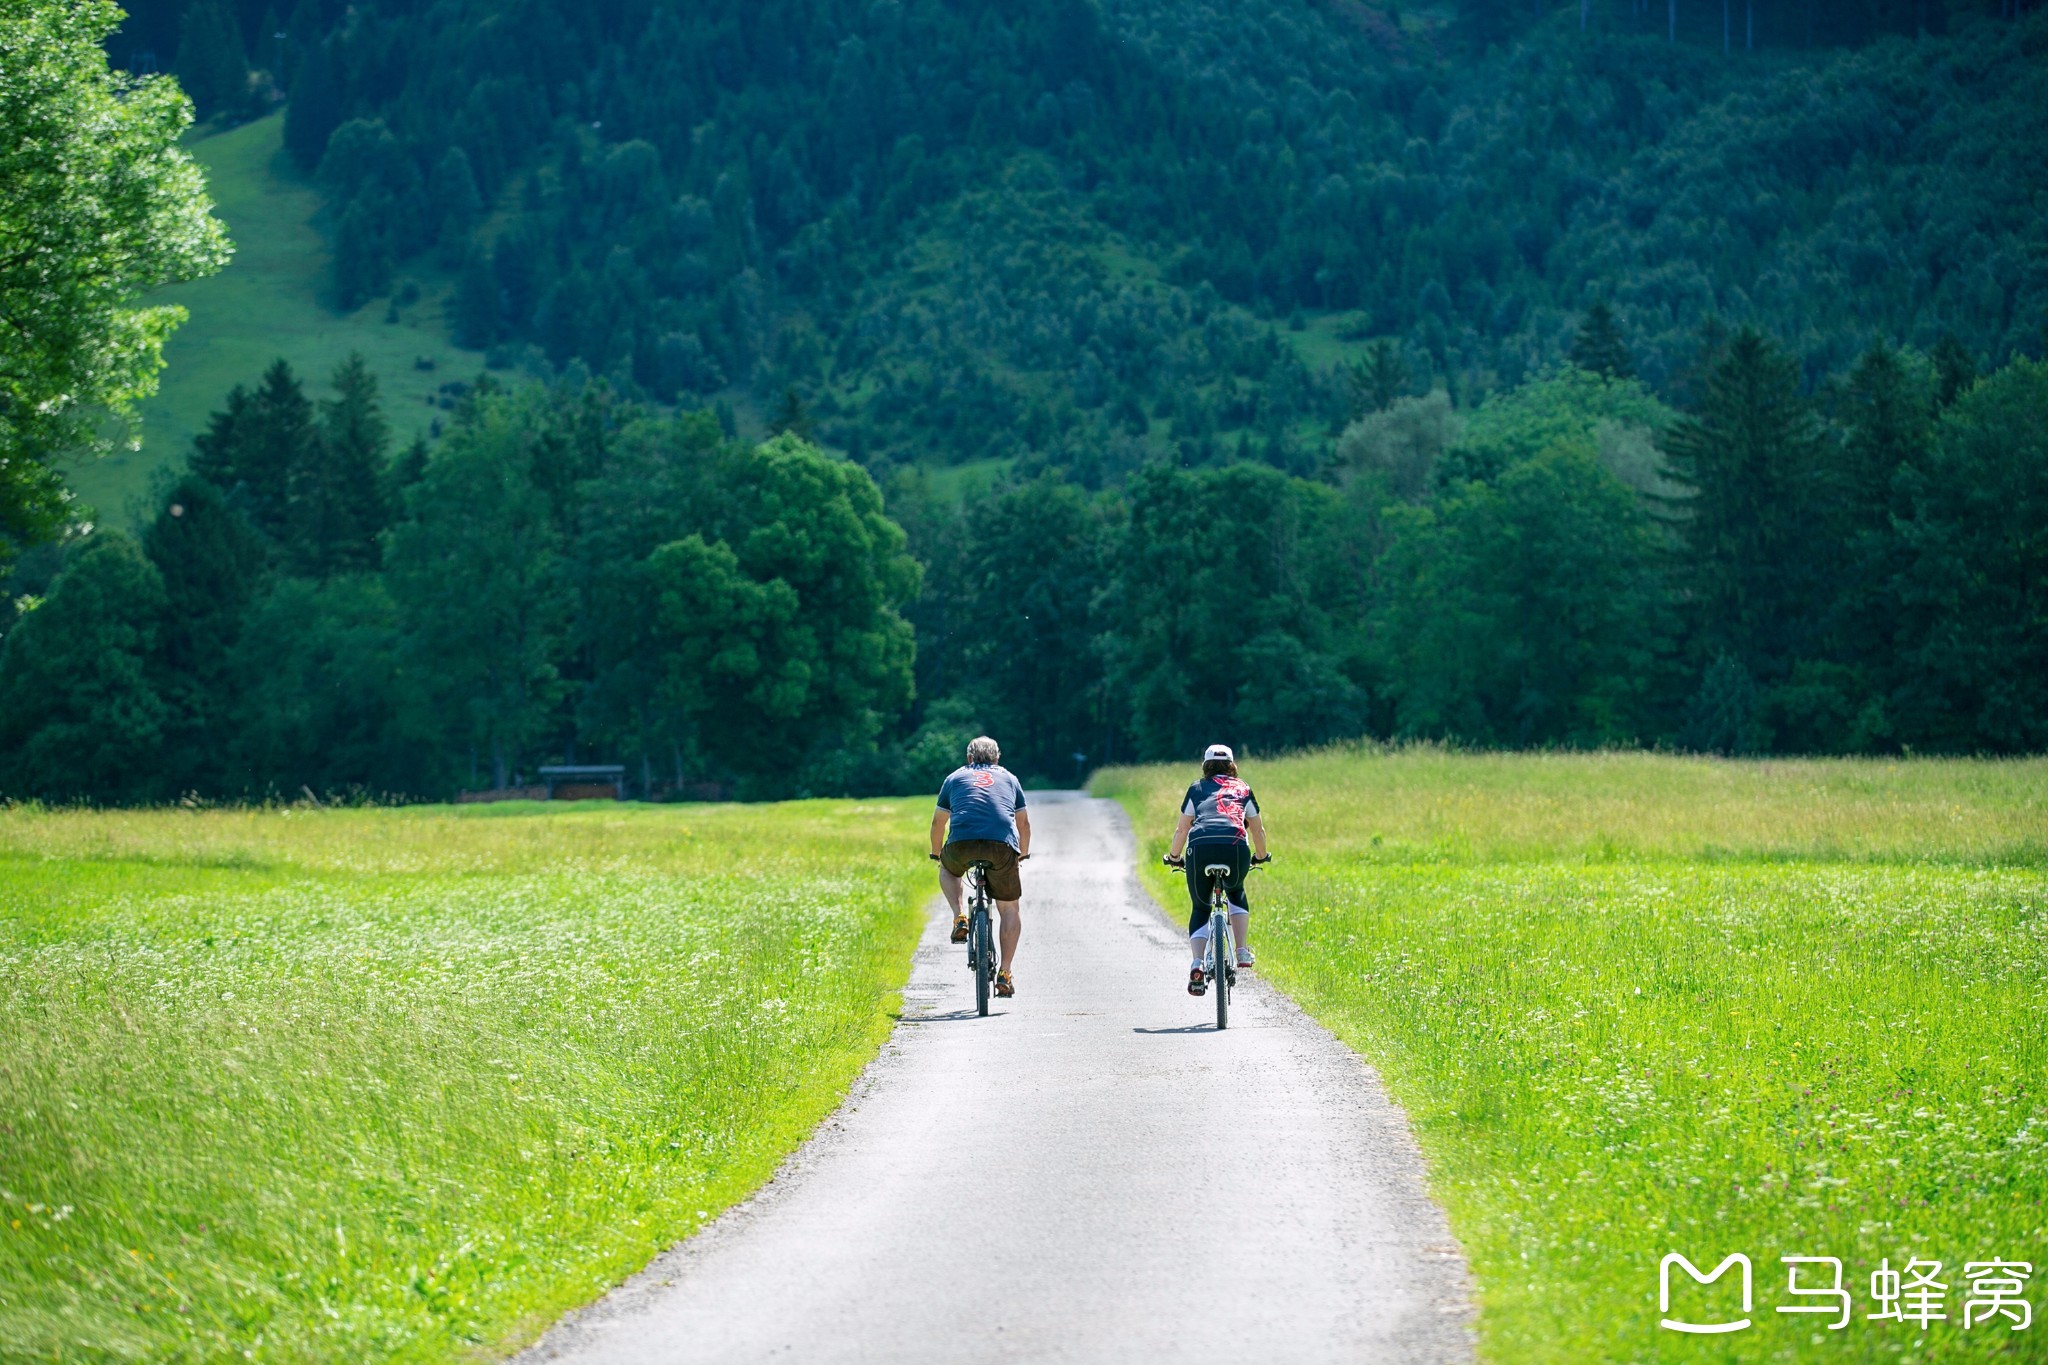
<point x="829" y="195"/>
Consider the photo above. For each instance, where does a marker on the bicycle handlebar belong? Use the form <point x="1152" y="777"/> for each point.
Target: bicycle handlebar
<point x="1182" y="862"/>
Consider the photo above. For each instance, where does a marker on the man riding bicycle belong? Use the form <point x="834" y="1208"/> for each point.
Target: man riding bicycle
<point x="1215" y="816"/>
<point x="984" y="805"/>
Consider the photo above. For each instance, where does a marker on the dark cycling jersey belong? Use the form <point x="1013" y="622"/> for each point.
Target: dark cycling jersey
<point x="1220" y="806"/>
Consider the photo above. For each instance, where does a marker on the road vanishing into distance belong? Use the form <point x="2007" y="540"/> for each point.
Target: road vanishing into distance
<point x="1090" y="1174"/>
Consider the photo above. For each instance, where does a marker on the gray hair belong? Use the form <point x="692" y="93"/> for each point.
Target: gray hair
<point x="982" y="749"/>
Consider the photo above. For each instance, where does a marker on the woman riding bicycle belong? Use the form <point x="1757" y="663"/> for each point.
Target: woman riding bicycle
<point x="1215" y="817"/>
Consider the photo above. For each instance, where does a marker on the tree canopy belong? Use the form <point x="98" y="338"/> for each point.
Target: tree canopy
<point x="98" y="204"/>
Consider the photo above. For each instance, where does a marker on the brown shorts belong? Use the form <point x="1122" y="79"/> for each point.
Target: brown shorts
<point x="1004" y="883"/>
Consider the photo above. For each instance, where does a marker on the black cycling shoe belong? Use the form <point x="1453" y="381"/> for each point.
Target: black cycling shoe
<point x="1198" y="984"/>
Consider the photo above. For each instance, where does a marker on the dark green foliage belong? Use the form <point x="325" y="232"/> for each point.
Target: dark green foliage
<point x="791" y="416"/>
<point x="479" y="303"/>
<point x="1598" y="345"/>
<point x="482" y="604"/>
<point x="1525" y="611"/>
<point x="81" y="713"/>
<point x="212" y="65"/>
<point x="1974" y="596"/>
<point x="1954" y="371"/>
<point x="1749" y="458"/>
<point x="313" y="485"/>
<point x="323" y="702"/>
<point x="251" y="446"/>
<point x="336" y="493"/>
<point x="1235" y="594"/>
<point x="1887" y="422"/>
<point x="212" y="565"/>
<point x="315" y="109"/>
<point x="691" y="186"/>
<point x="1726" y="714"/>
<point x="1008" y="627"/>
<point x="1376" y="381"/>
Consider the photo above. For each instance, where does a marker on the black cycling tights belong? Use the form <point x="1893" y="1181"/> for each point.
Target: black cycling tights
<point x="1238" y="854"/>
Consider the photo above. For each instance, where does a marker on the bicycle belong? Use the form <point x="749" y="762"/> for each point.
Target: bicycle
<point x="981" y="939"/>
<point x="1219" y="964"/>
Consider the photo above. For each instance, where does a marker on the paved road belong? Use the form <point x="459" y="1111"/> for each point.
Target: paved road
<point x="1078" y="1177"/>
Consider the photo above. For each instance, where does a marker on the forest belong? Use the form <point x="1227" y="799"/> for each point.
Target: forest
<point x="1505" y="374"/>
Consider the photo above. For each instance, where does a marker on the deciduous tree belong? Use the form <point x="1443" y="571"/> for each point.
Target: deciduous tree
<point x="98" y="205"/>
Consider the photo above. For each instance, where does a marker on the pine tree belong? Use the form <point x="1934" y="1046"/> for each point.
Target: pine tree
<point x="211" y="562"/>
<point x="1599" y="347"/>
<point x="1888" y="415"/>
<point x="336" y="507"/>
<point x="212" y="65"/>
<point x="454" y="203"/>
<point x="315" y="108"/>
<point x="1954" y="371"/>
<point x="478" y="302"/>
<point x="362" y="255"/>
<point x="1378" y="380"/>
<point x="1749" y="455"/>
<point x="791" y="416"/>
<point x="251" y="447"/>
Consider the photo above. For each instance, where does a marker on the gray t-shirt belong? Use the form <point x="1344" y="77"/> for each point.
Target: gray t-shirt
<point x="984" y="799"/>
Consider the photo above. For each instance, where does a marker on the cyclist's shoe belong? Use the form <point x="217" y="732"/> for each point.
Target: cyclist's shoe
<point x="959" y="928"/>
<point x="1245" y="960"/>
<point x="1198" y="983"/>
<point x="1004" y="986"/>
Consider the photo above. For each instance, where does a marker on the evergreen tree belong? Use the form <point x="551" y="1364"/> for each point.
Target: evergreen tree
<point x="790" y="415"/>
<point x="1598" y="345"/>
<point x="1726" y="714"/>
<point x="1748" y="456"/>
<point x="454" y="204"/>
<point x="336" y="506"/>
<point x="251" y="447"/>
<point x="478" y="302"/>
<point x="1376" y="381"/>
<point x="212" y="65"/>
<point x="315" y="109"/>
<point x="1954" y="371"/>
<point x="362" y="252"/>
<point x="81" y="716"/>
<point x="211" y="562"/>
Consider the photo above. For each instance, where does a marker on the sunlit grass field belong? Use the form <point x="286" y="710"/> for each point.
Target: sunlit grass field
<point x="1639" y="1004"/>
<point x="297" y="1085"/>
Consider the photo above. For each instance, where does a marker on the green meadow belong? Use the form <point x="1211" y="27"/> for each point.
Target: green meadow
<point x="273" y="300"/>
<point x="1637" y="1004"/>
<point x="293" y="1084"/>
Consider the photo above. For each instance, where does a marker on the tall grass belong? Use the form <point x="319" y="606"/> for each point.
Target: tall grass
<point x="355" y="1085"/>
<point x="1637" y="1005"/>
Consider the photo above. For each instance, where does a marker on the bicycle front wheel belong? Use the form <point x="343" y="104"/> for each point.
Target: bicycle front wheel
<point x="1219" y="948"/>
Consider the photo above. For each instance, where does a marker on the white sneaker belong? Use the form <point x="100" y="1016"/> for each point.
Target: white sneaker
<point x="1245" y="958"/>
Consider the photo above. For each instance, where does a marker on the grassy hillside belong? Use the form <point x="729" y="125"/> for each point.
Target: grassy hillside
<point x="271" y="301"/>
<point x="1636" y="1005"/>
<point x="290" y="1085"/>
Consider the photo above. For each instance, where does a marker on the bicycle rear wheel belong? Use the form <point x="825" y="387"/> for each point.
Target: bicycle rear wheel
<point x="984" y="960"/>
<point x="1220" y="950"/>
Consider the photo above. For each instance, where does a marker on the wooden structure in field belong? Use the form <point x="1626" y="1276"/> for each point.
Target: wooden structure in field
<point x="585" y="781"/>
